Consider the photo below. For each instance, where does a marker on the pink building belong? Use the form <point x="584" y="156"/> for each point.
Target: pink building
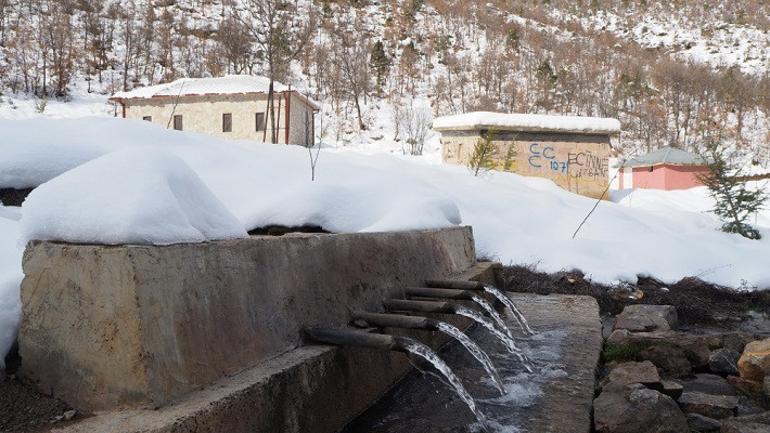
<point x="667" y="168"/>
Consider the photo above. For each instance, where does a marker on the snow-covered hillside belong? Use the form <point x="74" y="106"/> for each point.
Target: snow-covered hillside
<point x="366" y="60"/>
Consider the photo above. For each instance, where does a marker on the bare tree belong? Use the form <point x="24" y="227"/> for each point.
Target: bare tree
<point x="280" y="33"/>
<point x="416" y="122"/>
<point x="313" y="146"/>
<point x="352" y="57"/>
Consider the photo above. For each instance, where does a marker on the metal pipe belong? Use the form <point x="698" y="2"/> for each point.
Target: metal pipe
<point x="344" y="337"/>
<point x="421" y="306"/>
<point x="397" y="321"/>
<point x="456" y="284"/>
<point x="429" y="292"/>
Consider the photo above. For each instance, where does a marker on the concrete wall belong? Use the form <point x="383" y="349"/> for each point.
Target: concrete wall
<point x="576" y="162"/>
<point x="668" y="177"/>
<point x="310" y="389"/>
<point x="137" y="326"/>
<point x="204" y="114"/>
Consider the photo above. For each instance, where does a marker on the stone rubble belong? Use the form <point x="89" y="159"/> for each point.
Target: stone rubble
<point x="660" y="379"/>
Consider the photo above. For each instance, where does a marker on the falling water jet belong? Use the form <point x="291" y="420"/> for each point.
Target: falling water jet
<point x="464" y="285"/>
<point x="417" y="322"/>
<point x="471" y="295"/>
<point x="452" y="308"/>
<point x="486" y="323"/>
<point x="493" y="314"/>
<point x="520" y="319"/>
<point x="407" y="345"/>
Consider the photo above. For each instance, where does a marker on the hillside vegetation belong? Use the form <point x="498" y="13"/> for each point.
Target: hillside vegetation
<point x="674" y="72"/>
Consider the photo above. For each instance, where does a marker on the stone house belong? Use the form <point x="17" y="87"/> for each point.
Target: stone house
<point x="667" y="168"/>
<point x="572" y="151"/>
<point x="233" y="106"/>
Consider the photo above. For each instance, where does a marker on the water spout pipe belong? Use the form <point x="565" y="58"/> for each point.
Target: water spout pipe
<point x="344" y="337"/>
<point x="456" y="284"/>
<point x="397" y="321"/>
<point x="429" y="292"/>
<point x="420" y="306"/>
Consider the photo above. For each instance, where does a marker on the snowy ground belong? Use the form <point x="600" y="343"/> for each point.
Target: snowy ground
<point x="515" y="219"/>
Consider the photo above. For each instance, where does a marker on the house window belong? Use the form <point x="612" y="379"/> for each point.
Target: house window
<point x="178" y="122"/>
<point x="260" y="121"/>
<point x="147" y="118"/>
<point x="227" y="122"/>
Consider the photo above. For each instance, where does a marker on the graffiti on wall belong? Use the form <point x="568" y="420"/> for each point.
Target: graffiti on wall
<point x="544" y="157"/>
<point x="587" y="164"/>
<point x="576" y="164"/>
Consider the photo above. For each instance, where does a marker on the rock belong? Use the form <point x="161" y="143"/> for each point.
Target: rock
<point x="697" y="347"/>
<point x="634" y="372"/>
<point x="747" y="406"/>
<point x="608" y="324"/>
<point x="671" y="360"/>
<point x="754" y="363"/>
<point x="700" y="423"/>
<point x="766" y="386"/>
<point x="619" y="337"/>
<point x="712" y="406"/>
<point x="637" y="409"/>
<point x="68" y="415"/>
<point x="745" y="386"/>
<point x="724" y="361"/>
<point x="709" y="384"/>
<point x="647" y="318"/>
<point x="759" y="423"/>
<point x="671" y="388"/>
<point x="736" y="341"/>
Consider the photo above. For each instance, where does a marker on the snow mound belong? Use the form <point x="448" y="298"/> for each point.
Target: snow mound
<point x="135" y="196"/>
<point x="35" y="151"/>
<point x="10" y="279"/>
<point x="527" y="122"/>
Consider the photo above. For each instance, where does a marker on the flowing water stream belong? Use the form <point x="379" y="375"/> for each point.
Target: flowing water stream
<point x="418" y="349"/>
<point x="421" y="404"/>
<point x="493" y="314"/>
<point x="476" y="351"/>
<point x="520" y="319"/>
<point x="486" y="323"/>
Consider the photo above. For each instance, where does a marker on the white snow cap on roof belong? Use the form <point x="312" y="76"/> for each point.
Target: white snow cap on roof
<point x="229" y="84"/>
<point x="527" y="123"/>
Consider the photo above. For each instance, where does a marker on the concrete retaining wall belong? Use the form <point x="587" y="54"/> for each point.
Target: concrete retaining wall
<point x="138" y="326"/>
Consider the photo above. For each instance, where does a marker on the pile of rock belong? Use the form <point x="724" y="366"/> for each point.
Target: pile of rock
<point x="671" y="381"/>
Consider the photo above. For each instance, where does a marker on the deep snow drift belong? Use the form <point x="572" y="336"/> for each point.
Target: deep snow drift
<point x="10" y="278"/>
<point x="514" y="218"/>
<point x="142" y="195"/>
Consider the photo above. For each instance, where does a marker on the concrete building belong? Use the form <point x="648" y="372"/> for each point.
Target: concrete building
<point x="572" y="151"/>
<point x="234" y="106"/>
<point x="667" y="168"/>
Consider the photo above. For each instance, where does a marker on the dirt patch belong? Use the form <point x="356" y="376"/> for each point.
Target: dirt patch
<point x="23" y="409"/>
<point x="276" y="230"/>
<point x="696" y="301"/>
<point x="13" y="197"/>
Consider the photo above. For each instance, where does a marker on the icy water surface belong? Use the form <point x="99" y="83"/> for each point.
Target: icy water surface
<point x="422" y="404"/>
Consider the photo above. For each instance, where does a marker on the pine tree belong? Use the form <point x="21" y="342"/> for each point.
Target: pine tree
<point x="380" y="64"/>
<point x="510" y="158"/>
<point x="735" y="202"/>
<point x="483" y="158"/>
